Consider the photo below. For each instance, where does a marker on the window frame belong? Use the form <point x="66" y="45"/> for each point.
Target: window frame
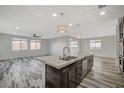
<point x="20" y="48"/>
<point x="24" y="47"/>
<point x="95" y="46"/>
<point x="74" y="46"/>
<point x="36" y="46"/>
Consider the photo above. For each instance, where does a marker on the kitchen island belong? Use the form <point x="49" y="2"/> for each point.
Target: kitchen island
<point x="65" y="74"/>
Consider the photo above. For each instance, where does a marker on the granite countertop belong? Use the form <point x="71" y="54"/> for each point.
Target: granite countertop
<point x="54" y="61"/>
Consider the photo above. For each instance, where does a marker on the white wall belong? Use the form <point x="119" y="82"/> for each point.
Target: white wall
<point x="56" y="45"/>
<point x="6" y="47"/>
<point x="108" y="47"/>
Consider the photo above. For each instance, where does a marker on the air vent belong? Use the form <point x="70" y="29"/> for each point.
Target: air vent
<point x="101" y="6"/>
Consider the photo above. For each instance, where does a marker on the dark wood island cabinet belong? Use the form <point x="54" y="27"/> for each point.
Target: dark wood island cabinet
<point x="69" y="76"/>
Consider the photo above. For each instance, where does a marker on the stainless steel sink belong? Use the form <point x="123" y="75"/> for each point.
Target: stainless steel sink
<point x="68" y="58"/>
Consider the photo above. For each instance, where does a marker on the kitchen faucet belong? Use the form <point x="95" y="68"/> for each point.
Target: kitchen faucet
<point x="64" y="55"/>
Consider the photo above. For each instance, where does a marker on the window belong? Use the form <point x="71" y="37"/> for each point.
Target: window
<point x="24" y="45"/>
<point x="15" y="45"/>
<point x="19" y="44"/>
<point x="38" y="45"/>
<point x="35" y="44"/>
<point x="95" y="44"/>
<point x="74" y="47"/>
<point x="73" y="44"/>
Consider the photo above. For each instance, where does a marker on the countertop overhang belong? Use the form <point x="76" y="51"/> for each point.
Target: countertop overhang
<point x="57" y="63"/>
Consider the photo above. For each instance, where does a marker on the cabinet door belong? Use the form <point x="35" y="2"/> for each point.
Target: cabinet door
<point x="88" y="65"/>
<point x="52" y="77"/>
<point x="65" y="78"/>
<point x="78" y="73"/>
<point x="72" y="77"/>
<point x="84" y="68"/>
<point x="69" y="76"/>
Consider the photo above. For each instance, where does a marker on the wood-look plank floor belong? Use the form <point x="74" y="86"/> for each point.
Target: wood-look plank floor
<point x="104" y="74"/>
<point x="21" y="73"/>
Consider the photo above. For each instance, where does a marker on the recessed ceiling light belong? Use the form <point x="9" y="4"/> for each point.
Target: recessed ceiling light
<point x="14" y="33"/>
<point x="17" y="28"/>
<point x="70" y="39"/>
<point x="70" y="24"/>
<point x="100" y="32"/>
<point x="102" y="13"/>
<point x="91" y="53"/>
<point x="54" y="14"/>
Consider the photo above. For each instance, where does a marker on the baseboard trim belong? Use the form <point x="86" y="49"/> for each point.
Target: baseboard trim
<point x="105" y="57"/>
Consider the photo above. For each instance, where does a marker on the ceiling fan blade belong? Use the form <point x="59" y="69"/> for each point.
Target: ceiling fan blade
<point x="36" y="36"/>
<point x="101" y="6"/>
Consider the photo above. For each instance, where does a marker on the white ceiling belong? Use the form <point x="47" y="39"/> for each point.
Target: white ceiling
<point x="38" y="19"/>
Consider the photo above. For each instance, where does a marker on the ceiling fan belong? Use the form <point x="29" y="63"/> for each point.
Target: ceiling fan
<point x="102" y="6"/>
<point x="36" y="36"/>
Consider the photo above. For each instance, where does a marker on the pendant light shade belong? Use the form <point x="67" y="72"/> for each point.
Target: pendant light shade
<point x="61" y="28"/>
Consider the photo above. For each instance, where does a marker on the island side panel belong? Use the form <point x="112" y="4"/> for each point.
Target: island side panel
<point x="66" y="77"/>
<point x="43" y="75"/>
<point x="53" y="77"/>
